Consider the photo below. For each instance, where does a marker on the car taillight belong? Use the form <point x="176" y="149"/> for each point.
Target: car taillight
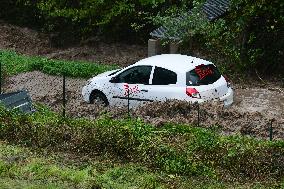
<point x="192" y="92"/>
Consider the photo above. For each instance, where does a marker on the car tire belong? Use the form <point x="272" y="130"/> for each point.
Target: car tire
<point x="97" y="97"/>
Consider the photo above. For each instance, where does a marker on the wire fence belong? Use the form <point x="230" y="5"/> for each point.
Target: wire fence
<point x="195" y="106"/>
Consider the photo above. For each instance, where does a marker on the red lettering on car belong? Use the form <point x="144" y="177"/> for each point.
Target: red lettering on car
<point x="202" y="71"/>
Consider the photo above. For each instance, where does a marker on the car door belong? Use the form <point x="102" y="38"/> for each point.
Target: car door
<point x="163" y="86"/>
<point x="129" y="83"/>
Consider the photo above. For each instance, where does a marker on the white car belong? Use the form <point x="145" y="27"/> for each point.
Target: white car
<point x="160" y="78"/>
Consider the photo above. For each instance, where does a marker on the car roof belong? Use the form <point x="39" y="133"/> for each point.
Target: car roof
<point x="174" y="62"/>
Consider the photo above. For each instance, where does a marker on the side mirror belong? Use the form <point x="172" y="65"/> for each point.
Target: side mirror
<point x="114" y="80"/>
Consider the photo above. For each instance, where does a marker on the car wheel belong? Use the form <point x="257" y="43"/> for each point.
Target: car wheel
<point x="99" y="98"/>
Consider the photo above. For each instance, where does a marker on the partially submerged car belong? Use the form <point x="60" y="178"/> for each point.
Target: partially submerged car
<point x="160" y="78"/>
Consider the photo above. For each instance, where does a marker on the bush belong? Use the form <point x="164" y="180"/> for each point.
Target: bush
<point x="110" y="18"/>
<point x="74" y="20"/>
<point x="247" y="37"/>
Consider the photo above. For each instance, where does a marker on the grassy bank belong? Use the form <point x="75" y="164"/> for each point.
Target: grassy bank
<point x="22" y="168"/>
<point x="177" y="150"/>
<point x="14" y="63"/>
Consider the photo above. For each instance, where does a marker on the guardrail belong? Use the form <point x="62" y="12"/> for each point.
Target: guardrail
<point x="20" y="100"/>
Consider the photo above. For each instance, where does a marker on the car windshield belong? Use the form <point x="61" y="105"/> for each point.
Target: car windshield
<point x="202" y="75"/>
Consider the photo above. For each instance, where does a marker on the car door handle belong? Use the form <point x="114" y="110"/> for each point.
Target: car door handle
<point x="144" y="90"/>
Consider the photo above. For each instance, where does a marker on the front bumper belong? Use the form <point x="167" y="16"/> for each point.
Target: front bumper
<point x="86" y="92"/>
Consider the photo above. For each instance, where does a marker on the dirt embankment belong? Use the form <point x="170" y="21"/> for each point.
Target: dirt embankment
<point x="30" y="42"/>
<point x="23" y="40"/>
<point x="250" y="115"/>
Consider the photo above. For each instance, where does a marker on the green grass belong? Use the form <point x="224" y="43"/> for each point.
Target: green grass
<point x="179" y="150"/>
<point x="14" y="63"/>
<point x="22" y="168"/>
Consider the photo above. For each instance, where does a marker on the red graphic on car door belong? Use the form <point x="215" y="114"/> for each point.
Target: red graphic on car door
<point x="130" y="90"/>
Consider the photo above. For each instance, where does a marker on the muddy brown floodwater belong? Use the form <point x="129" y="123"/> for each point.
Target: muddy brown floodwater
<point x="265" y="100"/>
<point x="250" y="115"/>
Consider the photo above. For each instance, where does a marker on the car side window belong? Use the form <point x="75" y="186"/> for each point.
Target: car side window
<point x="136" y="75"/>
<point x="163" y="76"/>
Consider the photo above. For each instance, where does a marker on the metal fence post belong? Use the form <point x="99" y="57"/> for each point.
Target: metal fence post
<point x="64" y="96"/>
<point x="271" y="130"/>
<point x="198" y="114"/>
<point x="128" y="108"/>
<point x="0" y="77"/>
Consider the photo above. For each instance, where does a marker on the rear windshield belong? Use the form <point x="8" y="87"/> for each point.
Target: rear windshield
<point x="202" y="75"/>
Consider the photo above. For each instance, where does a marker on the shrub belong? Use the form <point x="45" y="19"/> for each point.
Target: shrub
<point x="247" y="37"/>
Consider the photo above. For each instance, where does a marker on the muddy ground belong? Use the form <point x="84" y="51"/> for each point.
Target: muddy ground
<point x="256" y="103"/>
<point x="251" y="114"/>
